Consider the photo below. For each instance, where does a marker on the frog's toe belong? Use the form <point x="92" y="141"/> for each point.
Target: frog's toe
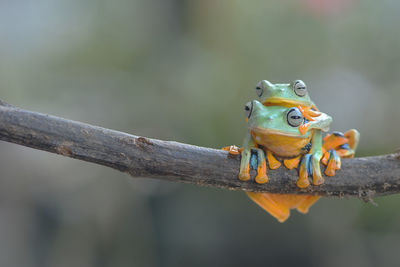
<point x="261" y="179"/>
<point x="318" y="180"/>
<point x="291" y="163"/>
<point x="303" y="182"/>
<point x="325" y="158"/>
<point x="233" y="150"/>
<point x="244" y="177"/>
<point x="272" y="161"/>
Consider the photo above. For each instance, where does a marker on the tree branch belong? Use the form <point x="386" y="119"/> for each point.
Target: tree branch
<point x="165" y="160"/>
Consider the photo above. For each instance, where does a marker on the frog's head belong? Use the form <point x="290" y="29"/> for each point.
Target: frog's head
<point x="281" y="120"/>
<point x="274" y="119"/>
<point x="292" y="94"/>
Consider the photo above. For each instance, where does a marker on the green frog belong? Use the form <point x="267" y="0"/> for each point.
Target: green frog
<point x="274" y="131"/>
<point x="284" y="94"/>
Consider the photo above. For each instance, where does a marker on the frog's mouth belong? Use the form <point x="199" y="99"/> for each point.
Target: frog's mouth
<point x="266" y="132"/>
<point x="277" y="101"/>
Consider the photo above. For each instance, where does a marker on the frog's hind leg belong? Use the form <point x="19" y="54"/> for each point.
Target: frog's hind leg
<point x="337" y="146"/>
<point x="307" y="202"/>
<point x="345" y="144"/>
<point x="266" y="201"/>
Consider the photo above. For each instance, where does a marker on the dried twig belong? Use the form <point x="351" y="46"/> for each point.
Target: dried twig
<point x="144" y="157"/>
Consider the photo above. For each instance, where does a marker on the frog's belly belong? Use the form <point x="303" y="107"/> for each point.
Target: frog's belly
<point x="281" y="145"/>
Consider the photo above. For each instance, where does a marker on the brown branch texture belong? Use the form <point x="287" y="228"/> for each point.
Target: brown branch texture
<point x="167" y="160"/>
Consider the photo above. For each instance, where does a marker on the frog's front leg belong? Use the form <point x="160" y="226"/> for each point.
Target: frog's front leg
<point x="317" y="154"/>
<point x="261" y="177"/>
<point x="309" y="164"/>
<point x="244" y="174"/>
<point x="261" y="164"/>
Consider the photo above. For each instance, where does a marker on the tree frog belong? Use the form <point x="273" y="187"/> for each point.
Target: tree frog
<point x="275" y="131"/>
<point x="291" y="94"/>
<point x="295" y="94"/>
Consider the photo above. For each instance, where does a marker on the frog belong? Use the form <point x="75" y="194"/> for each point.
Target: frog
<point x="295" y="94"/>
<point x="284" y="94"/>
<point x="273" y="133"/>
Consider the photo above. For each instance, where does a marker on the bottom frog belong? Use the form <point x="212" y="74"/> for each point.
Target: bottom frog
<point x="278" y="134"/>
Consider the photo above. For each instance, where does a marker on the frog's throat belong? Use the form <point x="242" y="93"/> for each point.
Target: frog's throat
<point x="264" y="131"/>
<point x="281" y="144"/>
<point x="278" y="101"/>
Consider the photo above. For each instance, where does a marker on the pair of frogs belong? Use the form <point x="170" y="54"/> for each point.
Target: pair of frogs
<point x="286" y="127"/>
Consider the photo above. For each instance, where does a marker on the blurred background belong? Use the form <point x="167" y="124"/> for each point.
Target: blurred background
<point x="183" y="70"/>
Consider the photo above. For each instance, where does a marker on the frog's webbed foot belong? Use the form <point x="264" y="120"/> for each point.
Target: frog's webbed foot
<point x="344" y="144"/>
<point x="309" y="166"/>
<point x="256" y="161"/>
<point x="337" y="146"/>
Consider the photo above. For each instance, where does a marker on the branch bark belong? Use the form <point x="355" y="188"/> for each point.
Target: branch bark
<point x="166" y="160"/>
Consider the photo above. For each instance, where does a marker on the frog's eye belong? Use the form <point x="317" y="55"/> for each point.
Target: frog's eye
<point x="294" y="117"/>
<point x="259" y="89"/>
<point x="300" y="88"/>
<point x="248" y="108"/>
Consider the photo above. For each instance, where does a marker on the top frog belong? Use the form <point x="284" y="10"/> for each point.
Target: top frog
<point x="295" y="95"/>
<point x="292" y="94"/>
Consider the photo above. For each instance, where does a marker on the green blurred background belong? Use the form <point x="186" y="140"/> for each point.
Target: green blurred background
<point x="183" y="70"/>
